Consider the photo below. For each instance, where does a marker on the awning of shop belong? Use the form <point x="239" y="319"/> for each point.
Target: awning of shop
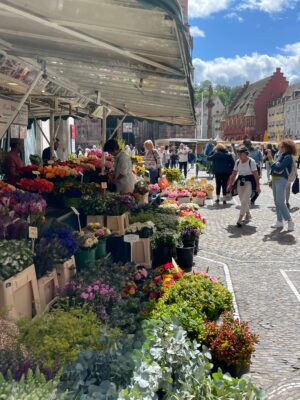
<point x="131" y="55"/>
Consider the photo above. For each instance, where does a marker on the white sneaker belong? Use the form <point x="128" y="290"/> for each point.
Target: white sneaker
<point x="277" y="225"/>
<point x="291" y="226"/>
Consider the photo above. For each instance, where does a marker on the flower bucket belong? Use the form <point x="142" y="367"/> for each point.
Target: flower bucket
<point x="185" y="258"/>
<point x="72" y="202"/>
<point x="19" y="295"/>
<point x="119" y="250"/>
<point x="162" y="255"/>
<point x="118" y="224"/>
<point x="100" y="250"/>
<point x="65" y="271"/>
<point x="199" y="201"/>
<point x="235" y="371"/>
<point x="188" y="242"/>
<point x="84" y="258"/>
<point x="210" y="194"/>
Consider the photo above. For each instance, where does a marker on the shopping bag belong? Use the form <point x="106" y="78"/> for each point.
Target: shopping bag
<point x="295" y="187"/>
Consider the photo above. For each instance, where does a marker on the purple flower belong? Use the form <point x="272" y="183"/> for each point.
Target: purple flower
<point x="84" y="295"/>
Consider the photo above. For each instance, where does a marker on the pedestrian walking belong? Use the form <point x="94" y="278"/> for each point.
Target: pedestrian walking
<point x="183" y="158"/>
<point x="281" y="171"/>
<point x="173" y="157"/>
<point x="246" y="177"/>
<point x="266" y="160"/>
<point x="298" y="162"/>
<point x="152" y="161"/>
<point x="166" y="157"/>
<point x="192" y="158"/>
<point x="222" y="166"/>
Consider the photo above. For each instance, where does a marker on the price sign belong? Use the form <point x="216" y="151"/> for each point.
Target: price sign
<point x="77" y="213"/>
<point x="33" y="232"/>
<point x="103" y="185"/>
<point x="131" y="238"/>
<point x="37" y="173"/>
<point x="175" y="265"/>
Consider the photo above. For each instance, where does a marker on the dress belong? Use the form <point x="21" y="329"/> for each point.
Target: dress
<point x="123" y="166"/>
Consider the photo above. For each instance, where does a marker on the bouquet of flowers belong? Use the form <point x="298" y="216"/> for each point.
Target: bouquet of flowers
<point x="86" y="240"/>
<point x="24" y="204"/>
<point x="144" y="230"/>
<point x="189" y="207"/>
<point x="189" y="233"/>
<point x="172" y="194"/>
<point x="119" y="204"/>
<point x="164" y="277"/>
<point x="209" y="187"/>
<point x="36" y="185"/>
<point x="173" y="174"/>
<point x="100" y="231"/>
<point x="28" y="171"/>
<point x="141" y="188"/>
<point x="154" y="188"/>
<point x="77" y="189"/>
<point x="140" y="170"/>
<point x="183" y="193"/>
<point x="53" y="172"/>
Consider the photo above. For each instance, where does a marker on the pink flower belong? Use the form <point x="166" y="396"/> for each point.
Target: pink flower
<point x="138" y="276"/>
<point x="92" y="296"/>
<point x="84" y="295"/>
<point x="214" y="279"/>
<point x="96" y="287"/>
<point x="144" y="273"/>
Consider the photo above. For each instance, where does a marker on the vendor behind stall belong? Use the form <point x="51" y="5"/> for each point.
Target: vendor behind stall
<point x="123" y="176"/>
<point x="12" y="163"/>
<point x="47" y="153"/>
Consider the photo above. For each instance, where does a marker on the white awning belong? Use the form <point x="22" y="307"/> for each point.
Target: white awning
<point x="133" y="55"/>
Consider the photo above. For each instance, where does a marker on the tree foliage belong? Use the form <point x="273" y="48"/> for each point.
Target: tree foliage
<point x="225" y="93"/>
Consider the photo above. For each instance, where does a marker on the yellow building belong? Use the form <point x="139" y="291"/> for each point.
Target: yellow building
<point x="276" y="118"/>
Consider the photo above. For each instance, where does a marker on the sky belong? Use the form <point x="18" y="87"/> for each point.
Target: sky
<point x="239" y="41"/>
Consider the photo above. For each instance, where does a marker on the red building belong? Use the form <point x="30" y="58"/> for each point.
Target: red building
<point x="247" y="115"/>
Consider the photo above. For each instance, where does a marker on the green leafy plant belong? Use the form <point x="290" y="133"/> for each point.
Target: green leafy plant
<point x="166" y="238"/>
<point x="231" y="342"/>
<point x="15" y="256"/>
<point x="173" y="174"/>
<point x="93" y="205"/>
<point x="58" y="337"/>
<point x="32" y="386"/>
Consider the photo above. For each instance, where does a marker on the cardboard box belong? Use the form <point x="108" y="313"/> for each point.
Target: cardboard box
<point x="118" y="224"/>
<point x="141" y="252"/>
<point x="48" y="286"/>
<point x="66" y="271"/>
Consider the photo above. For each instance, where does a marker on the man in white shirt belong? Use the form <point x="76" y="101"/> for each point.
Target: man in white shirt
<point x="183" y="154"/>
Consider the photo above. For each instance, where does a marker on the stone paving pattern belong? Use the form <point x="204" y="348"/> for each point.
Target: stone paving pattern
<point x="255" y="254"/>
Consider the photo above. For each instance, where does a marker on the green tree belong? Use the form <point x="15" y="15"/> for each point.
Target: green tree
<point x="225" y="93"/>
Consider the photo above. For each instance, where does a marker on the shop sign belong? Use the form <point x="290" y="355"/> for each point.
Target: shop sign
<point x="127" y="127"/>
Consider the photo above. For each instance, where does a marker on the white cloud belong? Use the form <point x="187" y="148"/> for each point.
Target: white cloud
<point x="268" y="6"/>
<point x="205" y="8"/>
<point x="239" y="69"/>
<point x="197" y="32"/>
<point x="234" y="16"/>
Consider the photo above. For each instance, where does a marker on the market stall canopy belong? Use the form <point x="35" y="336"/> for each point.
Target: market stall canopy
<point x="131" y="55"/>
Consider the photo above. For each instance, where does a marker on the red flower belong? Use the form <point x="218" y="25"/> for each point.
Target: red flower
<point x="168" y="266"/>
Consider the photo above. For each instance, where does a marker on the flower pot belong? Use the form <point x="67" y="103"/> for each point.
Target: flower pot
<point x="185" y="258"/>
<point x="19" y="295"/>
<point x="65" y="271"/>
<point x="92" y="219"/>
<point x="141" y="252"/>
<point x="119" y="250"/>
<point x="199" y="201"/>
<point x="72" y="202"/>
<point x="118" y="224"/>
<point x="85" y="257"/>
<point x="162" y="255"/>
<point x="234" y="370"/>
<point x="210" y="194"/>
<point x="100" y="251"/>
<point x="189" y="242"/>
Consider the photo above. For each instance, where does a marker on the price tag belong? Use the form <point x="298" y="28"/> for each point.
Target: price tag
<point x="131" y="238"/>
<point x="33" y="232"/>
<point x="37" y="173"/>
<point x="81" y="174"/>
<point x="175" y="265"/>
<point x="50" y="162"/>
<point x="76" y="212"/>
<point x="103" y="185"/>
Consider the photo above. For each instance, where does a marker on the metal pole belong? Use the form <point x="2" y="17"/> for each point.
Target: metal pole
<point x="117" y="127"/>
<point x="202" y="114"/>
<point x="52" y="133"/>
<point x="21" y="104"/>
<point x="103" y="137"/>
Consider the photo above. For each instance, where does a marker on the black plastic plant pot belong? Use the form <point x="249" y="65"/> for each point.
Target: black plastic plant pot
<point x="119" y="250"/>
<point x="162" y="255"/>
<point x="196" y="246"/>
<point x="188" y="242"/>
<point x="185" y="258"/>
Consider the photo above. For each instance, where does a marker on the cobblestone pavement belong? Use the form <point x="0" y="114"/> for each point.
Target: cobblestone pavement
<point x="264" y="266"/>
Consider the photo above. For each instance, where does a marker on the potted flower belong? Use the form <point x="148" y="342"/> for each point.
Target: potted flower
<point x="200" y="198"/>
<point x="209" y="189"/>
<point x="18" y="283"/>
<point x="170" y="205"/>
<point x="94" y="208"/>
<point x="154" y="189"/>
<point x="117" y="208"/>
<point x="185" y="252"/>
<point x="141" y="192"/>
<point x="183" y="196"/>
<point x="164" y="244"/>
<point x="101" y="233"/>
<point x="231" y="344"/>
<point x="173" y="174"/>
<point x="144" y="229"/>
<point x="87" y="243"/>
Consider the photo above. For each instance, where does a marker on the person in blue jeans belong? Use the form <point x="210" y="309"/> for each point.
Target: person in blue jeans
<point x="280" y="171"/>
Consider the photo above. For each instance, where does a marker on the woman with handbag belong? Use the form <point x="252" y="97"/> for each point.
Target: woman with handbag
<point x="152" y="161"/>
<point x="281" y="171"/>
<point x="245" y="170"/>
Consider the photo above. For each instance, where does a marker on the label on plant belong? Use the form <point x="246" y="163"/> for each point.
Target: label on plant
<point x="37" y="173"/>
<point x="103" y="185"/>
<point x="75" y="211"/>
<point x="175" y="265"/>
<point x="131" y="238"/>
<point x="33" y="232"/>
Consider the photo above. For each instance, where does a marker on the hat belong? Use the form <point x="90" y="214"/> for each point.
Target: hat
<point x="242" y="149"/>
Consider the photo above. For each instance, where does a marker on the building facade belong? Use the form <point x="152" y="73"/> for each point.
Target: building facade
<point x="292" y="112"/>
<point x="276" y="119"/>
<point x="247" y="115"/>
<point x="217" y="114"/>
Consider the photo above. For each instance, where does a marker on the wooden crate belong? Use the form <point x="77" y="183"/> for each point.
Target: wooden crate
<point x="141" y="252"/>
<point x="48" y="286"/>
<point x="118" y="224"/>
<point x="19" y="295"/>
<point x="65" y="272"/>
<point x="92" y="219"/>
<point x="199" y="201"/>
<point x="210" y="194"/>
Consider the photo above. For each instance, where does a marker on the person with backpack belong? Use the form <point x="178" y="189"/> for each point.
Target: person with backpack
<point x="222" y="166"/>
<point x="281" y="171"/>
<point x="246" y="177"/>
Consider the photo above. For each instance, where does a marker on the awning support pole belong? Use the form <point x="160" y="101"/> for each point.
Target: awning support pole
<point x="43" y="133"/>
<point x="103" y="138"/>
<point x="117" y="127"/>
<point x="52" y="133"/>
<point x="21" y="104"/>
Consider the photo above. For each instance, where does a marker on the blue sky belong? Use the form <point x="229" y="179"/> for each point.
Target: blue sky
<point x="235" y="41"/>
